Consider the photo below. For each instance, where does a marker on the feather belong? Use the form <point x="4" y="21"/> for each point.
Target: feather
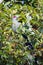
<point x="15" y="23"/>
<point x="1" y="1"/>
<point x="29" y="44"/>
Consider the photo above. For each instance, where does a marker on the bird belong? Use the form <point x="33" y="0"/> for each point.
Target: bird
<point x="29" y="44"/>
<point x="15" y="23"/>
<point x="1" y="1"/>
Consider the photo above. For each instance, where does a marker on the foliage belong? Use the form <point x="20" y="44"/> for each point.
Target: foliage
<point x="13" y="50"/>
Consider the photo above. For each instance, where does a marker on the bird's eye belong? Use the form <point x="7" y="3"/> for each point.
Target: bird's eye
<point x="14" y="17"/>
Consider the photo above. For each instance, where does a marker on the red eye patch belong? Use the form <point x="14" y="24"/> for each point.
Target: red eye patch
<point x="14" y="17"/>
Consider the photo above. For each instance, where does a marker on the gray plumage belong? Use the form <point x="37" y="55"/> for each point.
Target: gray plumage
<point x="15" y="23"/>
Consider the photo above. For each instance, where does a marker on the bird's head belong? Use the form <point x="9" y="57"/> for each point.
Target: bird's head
<point x="16" y="16"/>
